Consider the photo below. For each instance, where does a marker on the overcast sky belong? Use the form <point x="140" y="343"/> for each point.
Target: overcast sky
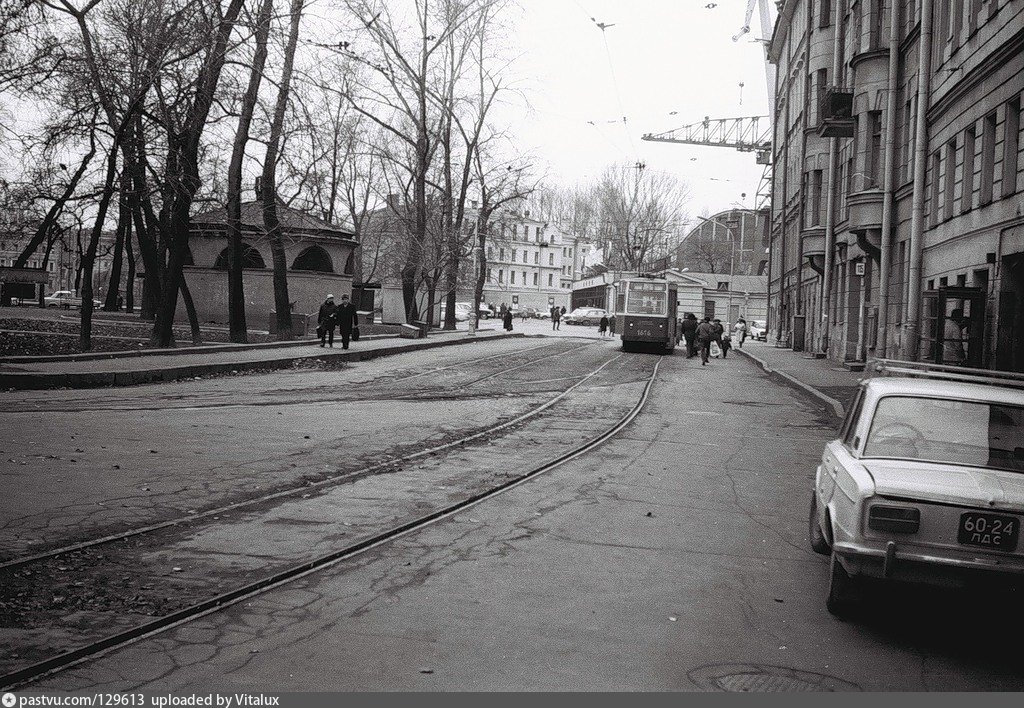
<point x="664" y="64"/>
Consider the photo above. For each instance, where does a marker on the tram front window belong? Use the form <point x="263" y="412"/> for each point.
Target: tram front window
<point x="647" y="299"/>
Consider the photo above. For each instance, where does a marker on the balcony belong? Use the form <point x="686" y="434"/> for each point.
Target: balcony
<point x="835" y="113"/>
<point x="864" y="210"/>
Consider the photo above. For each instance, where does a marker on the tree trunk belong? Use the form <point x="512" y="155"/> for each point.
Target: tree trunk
<point x="190" y="309"/>
<point x="270" y="219"/>
<point x="124" y="233"/>
<point x="89" y="256"/>
<point x="238" y="329"/>
<point x="129" y="290"/>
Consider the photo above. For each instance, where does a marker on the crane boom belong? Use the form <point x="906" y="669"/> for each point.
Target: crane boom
<point x="743" y="134"/>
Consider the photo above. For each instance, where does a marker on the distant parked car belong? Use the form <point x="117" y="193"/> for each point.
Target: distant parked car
<point x="758" y="330"/>
<point x="66" y="299"/>
<point x="584" y="316"/>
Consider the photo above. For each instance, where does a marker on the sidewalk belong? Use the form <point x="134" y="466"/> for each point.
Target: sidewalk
<point x="188" y="362"/>
<point x="828" y="381"/>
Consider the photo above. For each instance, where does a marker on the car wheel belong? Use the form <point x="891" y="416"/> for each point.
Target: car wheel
<point x="819" y="544"/>
<point x="842" y="591"/>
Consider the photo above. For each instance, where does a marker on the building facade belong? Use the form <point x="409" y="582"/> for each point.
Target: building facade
<point x="896" y="223"/>
<point x="729" y="241"/>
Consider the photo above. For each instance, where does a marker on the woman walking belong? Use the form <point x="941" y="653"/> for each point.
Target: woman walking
<point x="507" y="320"/>
<point x="602" y="326"/>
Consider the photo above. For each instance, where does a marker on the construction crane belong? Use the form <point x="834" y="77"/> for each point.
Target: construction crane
<point x="751" y="134"/>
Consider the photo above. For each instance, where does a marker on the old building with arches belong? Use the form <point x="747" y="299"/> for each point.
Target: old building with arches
<point x="319" y="256"/>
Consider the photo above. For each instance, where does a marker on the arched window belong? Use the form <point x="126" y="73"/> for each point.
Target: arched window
<point x="251" y="258"/>
<point x="313" y="258"/>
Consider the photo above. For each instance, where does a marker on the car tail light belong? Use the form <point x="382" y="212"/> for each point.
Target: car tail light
<point x="898" y="519"/>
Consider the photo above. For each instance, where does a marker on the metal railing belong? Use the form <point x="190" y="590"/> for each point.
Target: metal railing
<point x="944" y="372"/>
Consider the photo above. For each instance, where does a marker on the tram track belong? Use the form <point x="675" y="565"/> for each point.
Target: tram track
<point x="306" y="486"/>
<point x="206" y="606"/>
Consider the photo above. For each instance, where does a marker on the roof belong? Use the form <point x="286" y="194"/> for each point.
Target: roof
<point x="953" y="390"/>
<point x="291" y="219"/>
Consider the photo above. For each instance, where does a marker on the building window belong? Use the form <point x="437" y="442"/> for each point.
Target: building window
<point x="512" y="277"/>
<point x="936" y="165"/>
<point x="570" y="253"/>
<point x="949" y="180"/>
<point x="515" y="231"/>
<point x="501" y="276"/>
<point x="489" y="278"/>
<point x="524" y="277"/>
<point x="514" y="255"/>
<point x="1011" y="146"/>
<point x="815" y="197"/>
<point x="874" y="157"/>
<point x="967" y="194"/>
<point x="551" y="259"/>
<point x="534" y="278"/>
<point x="550" y="279"/>
<point x="825" y="13"/>
<point x="501" y="254"/>
<point x="956" y="22"/>
<point x="536" y="257"/>
<point x="490" y="253"/>
<point x="988" y="158"/>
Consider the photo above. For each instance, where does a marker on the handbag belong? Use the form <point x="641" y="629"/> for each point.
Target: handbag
<point x="715" y="350"/>
<point x="319" y="330"/>
<point x="355" y="334"/>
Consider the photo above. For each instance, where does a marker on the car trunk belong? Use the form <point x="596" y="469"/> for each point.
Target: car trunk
<point x="948" y="484"/>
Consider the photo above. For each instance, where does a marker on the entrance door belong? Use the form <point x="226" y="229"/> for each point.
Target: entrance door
<point x="1010" y="335"/>
<point x="954" y="326"/>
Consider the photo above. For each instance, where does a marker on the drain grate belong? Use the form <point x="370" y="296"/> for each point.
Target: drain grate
<point x="762" y="678"/>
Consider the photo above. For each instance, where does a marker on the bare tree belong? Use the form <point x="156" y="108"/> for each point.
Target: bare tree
<point x="269" y="190"/>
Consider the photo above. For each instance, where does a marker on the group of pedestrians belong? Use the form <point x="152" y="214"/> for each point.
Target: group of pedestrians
<point x="709" y="338"/>
<point x="342" y="316"/>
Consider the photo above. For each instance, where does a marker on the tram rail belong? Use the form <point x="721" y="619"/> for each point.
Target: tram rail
<point x="21" y="676"/>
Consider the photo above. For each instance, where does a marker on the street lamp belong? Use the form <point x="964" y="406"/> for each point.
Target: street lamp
<point x="732" y="258"/>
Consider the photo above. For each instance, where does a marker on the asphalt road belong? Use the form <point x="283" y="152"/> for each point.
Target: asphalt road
<point x="674" y="557"/>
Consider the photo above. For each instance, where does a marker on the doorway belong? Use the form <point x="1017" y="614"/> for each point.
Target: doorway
<point x="1010" y="332"/>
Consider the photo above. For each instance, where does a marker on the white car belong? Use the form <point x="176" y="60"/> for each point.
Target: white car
<point x="756" y="330"/>
<point x="584" y="316"/>
<point x="925" y="482"/>
<point x="66" y="299"/>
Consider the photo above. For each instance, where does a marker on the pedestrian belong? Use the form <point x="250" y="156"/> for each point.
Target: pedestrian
<point x="689" y="328"/>
<point x="602" y="326"/>
<point x="348" y="320"/>
<point x="523" y="314"/>
<point x="705" y="335"/>
<point x="325" y="321"/>
<point x="611" y="326"/>
<point x="507" y="320"/>
<point x="719" y="330"/>
<point x="953" y="351"/>
<point x="726" y="344"/>
<point x="741" y="331"/>
<point x="556" y="317"/>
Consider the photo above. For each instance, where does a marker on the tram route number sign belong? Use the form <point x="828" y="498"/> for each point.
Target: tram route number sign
<point x="644" y="332"/>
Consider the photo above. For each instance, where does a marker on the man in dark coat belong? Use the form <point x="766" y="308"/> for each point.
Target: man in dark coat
<point x="507" y="320"/>
<point x="689" y="329"/>
<point x="326" y="320"/>
<point x="705" y="335"/>
<point x="347" y="319"/>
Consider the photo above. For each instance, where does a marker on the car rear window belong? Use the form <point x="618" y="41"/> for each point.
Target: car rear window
<point x="975" y="433"/>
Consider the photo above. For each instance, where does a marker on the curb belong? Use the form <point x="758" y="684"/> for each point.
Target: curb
<point x="837" y="407"/>
<point x="34" y="381"/>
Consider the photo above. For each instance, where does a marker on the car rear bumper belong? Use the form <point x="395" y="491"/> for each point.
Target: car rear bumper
<point x="906" y="563"/>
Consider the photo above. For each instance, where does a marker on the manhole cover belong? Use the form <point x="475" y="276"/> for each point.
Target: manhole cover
<point x="761" y="678"/>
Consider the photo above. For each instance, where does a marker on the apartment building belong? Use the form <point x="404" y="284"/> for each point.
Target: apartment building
<point x="896" y="224"/>
<point x="529" y="262"/>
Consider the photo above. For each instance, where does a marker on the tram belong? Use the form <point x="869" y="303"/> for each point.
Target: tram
<point x="646" y="314"/>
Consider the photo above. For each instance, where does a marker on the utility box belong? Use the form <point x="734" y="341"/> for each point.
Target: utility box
<point x="409" y="331"/>
<point x="799" y="332"/>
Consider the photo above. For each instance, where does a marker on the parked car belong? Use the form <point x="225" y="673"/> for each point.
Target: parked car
<point x="584" y="316"/>
<point x="66" y="299"/>
<point x="531" y="312"/>
<point x="924" y="482"/>
<point x="758" y="331"/>
<point x="463" y="309"/>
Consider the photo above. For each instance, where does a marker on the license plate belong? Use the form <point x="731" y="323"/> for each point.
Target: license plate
<point x="989" y="530"/>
